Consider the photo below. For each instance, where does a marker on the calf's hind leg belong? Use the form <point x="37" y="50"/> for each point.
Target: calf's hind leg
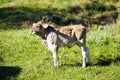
<point x="86" y="53"/>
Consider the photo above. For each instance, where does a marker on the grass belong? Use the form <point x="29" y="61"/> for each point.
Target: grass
<point x="24" y="57"/>
<point x="108" y="40"/>
<point x="30" y="60"/>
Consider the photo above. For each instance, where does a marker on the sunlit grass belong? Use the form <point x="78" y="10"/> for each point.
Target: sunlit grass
<point x="105" y="43"/>
<point x="19" y="48"/>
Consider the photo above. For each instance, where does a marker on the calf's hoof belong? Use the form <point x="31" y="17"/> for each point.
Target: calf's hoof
<point x="83" y="65"/>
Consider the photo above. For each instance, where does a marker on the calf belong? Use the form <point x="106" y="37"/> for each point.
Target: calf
<point x="67" y="35"/>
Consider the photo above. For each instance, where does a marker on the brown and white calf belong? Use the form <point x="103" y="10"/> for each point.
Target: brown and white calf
<point x="67" y="35"/>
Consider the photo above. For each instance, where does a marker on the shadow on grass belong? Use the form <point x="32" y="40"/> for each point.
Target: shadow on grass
<point x="1" y="59"/>
<point x="77" y="64"/>
<point x="107" y="61"/>
<point x="6" y="72"/>
<point x="14" y="17"/>
<point x="101" y="62"/>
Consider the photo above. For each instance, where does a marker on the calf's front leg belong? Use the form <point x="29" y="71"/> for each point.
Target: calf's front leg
<point x="55" y="55"/>
<point x="54" y="49"/>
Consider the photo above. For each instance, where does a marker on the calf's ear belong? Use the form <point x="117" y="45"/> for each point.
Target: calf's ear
<point x="34" y="24"/>
<point x="45" y="25"/>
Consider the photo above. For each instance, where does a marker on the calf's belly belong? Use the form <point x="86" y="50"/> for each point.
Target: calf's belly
<point x="68" y="43"/>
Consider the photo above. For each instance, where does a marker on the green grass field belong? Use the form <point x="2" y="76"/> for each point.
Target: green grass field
<point x="24" y="57"/>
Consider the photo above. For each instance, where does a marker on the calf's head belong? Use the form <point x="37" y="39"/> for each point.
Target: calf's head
<point x="38" y="28"/>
